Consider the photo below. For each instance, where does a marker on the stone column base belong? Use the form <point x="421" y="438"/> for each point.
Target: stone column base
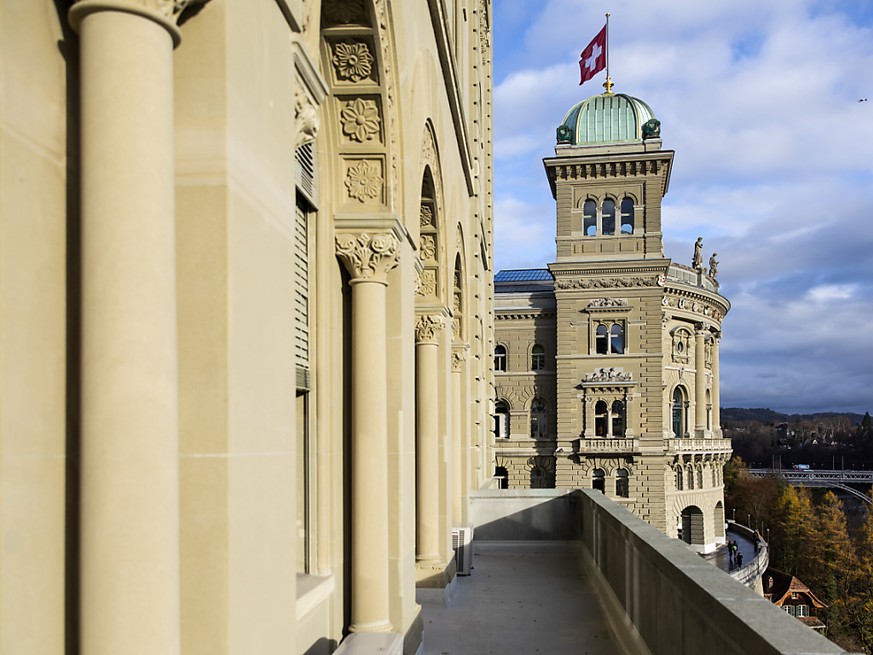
<point x="436" y="583"/>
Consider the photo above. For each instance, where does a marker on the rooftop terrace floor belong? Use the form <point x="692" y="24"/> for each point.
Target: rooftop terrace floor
<point x="520" y="602"/>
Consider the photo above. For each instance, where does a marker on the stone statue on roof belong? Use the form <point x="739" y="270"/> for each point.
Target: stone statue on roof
<point x="713" y="266"/>
<point x="697" y="260"/>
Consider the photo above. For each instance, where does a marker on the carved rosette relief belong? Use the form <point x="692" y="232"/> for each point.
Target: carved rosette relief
<point x="428" y="247"/>
<point x="360" y="120"/>
<point x="428" y="328"/>
<point x="364" y="180"/>
<point x="368" y="256"/>
<point x="352" y="61"/>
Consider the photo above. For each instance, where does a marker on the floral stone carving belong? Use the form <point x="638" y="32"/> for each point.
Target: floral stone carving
<point x="426" y="217"/>
<point x="360" y="120"/>
<point x="428" y="328"/>
<point x="364" y="181"/>
<point x="427" y="283"/>
<point x="428" y="247"/>
<point x="352" y="60"/>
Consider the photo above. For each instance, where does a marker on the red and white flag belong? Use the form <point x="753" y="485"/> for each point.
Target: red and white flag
<point x="593" y="58"/>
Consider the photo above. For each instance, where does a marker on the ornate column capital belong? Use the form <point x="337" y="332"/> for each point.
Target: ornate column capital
<point x="368" y="257"/>
<point x="428" y="328"/>
<point x="164" y="12"/>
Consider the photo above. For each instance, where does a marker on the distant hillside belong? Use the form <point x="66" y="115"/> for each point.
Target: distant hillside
<point x="768" y="416"/>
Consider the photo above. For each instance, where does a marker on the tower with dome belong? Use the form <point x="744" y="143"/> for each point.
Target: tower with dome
<point x="606" y="361"/>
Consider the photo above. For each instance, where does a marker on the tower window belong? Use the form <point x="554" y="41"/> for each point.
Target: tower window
<point x="601" y="418"/>
<point x="627" y="216"/>
<point x="617" y="419"/>
<point x="589" y="213"/>
<point x="537" y="358"/>
<point x="622" y="488"/>
<point x="608" y="219"/>
<point x="679" y="412"/>
<point x="500" y="358"/>
<point x="609" y="340"/>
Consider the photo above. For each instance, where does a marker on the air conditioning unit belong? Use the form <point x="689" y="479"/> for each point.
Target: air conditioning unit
<point x="462" y="542"/>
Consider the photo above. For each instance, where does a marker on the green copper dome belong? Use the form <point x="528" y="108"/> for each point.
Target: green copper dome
<point x="608" y="118"/>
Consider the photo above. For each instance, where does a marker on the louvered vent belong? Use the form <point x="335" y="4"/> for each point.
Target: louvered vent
<point x="307" y="172"/>
<point x="301" y="292"/>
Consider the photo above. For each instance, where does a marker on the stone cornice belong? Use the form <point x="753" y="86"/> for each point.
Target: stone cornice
<point x="610" y="167"/>
<point x="368" y="257"/>
<point x="522" y="315"/>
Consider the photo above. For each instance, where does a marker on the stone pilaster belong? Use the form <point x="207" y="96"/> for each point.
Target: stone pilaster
<point x="716" y="398"/>
<point x="700" y="381"/>
<point x="460" y="441"/>
<point x="428" y="330"/>
<point x="129" y="598"/>
<point x="368" y="259"/>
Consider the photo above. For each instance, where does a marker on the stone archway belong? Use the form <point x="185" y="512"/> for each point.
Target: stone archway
<point x="693" y="529"/>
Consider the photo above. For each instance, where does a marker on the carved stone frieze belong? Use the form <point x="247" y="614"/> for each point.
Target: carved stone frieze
<point x="364" y="180"/>
<point x="360" y="120"/>
<point x="607" y="302"/>
<point x="607" y="283"/>
<point x="352" y="60"/>
<point x="368" y="256"/>
<point x="428" y="328"/>
<point x="608" y="374"/>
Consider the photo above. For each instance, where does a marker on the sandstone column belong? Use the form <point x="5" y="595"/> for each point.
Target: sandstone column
<point x="129" y="419"/>
<point x="428" y="329"/>
<point x="716" y="398"/>
<point x="700" y="381"/>
<point x="369" y="258"/>
<point x="460" y="443"/>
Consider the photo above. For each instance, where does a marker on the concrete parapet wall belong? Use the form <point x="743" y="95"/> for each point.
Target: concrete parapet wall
<point x="665" y="599"/>
<point x="662" y="598"/>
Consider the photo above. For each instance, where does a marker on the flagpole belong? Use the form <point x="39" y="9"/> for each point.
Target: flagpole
<point x="608" y="83"/>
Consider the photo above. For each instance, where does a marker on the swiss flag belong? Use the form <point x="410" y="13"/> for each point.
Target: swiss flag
<point x="593" y="58"/>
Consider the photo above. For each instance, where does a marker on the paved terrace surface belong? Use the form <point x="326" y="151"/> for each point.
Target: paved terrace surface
<point x="720" y="556"/>
<point x="520" y="603"/>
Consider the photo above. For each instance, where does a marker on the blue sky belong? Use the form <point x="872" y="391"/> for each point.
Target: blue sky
<point x="773" y="167"/>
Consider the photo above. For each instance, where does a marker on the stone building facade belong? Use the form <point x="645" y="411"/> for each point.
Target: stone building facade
<point x="606" y="362"/>
<point x="245" y="320"/>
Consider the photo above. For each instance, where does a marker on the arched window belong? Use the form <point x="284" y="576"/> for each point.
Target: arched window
<point x="500" y="358"/>
<point x="589" y="214"/>
<point x="622" y="488"/>
<point x="501" y="420"/>
<point x="598" y="480"/>
<point x="679" y="412"/>
<point x="601" y="340"/>
<point x="678" y="471"/>
<point x="627" y="216"/>
<point x="700" y="476"/>
<point x="617" y="419"/>
<point x="708" y="410"/>
<point x="600" y="418"/>
<point x="539" y="477"/>
<point x="616" y="339"/>
<point x="537" y="358"/>
<point x="608" y="218"/>
<point x="689" y="475"/>
<point x="538" y="427"/>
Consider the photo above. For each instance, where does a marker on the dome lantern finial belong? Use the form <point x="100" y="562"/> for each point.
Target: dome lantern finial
<point x="608" y="86"/>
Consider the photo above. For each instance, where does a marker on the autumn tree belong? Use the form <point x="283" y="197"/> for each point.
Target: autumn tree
<point x="795" y="530"/>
